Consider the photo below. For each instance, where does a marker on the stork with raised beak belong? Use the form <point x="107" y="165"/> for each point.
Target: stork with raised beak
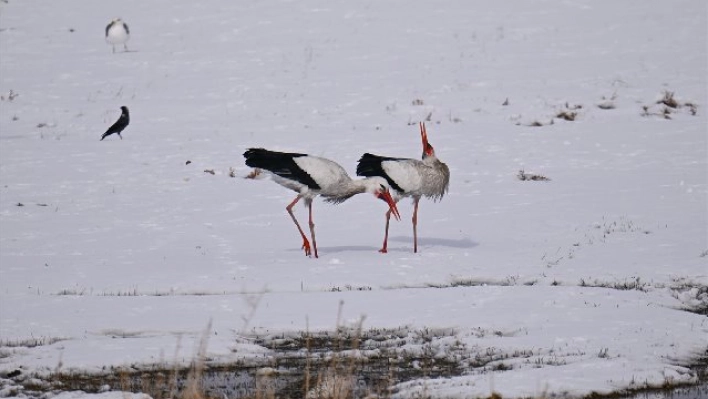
<point x="407" y="177"/>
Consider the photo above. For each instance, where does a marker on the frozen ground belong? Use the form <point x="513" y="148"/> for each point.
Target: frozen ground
<point x="119" y="253"/>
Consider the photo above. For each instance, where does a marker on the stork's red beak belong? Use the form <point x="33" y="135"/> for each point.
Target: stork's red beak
<point x="386" y="196"/>
<point x="423" y="135"/>
<point x="427" y="148"/>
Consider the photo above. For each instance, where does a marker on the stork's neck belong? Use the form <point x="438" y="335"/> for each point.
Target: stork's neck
<point x="350" y="188"/>
<point x="437" y="181"/>
<point x="358" y="186"/>
<point x="430" y="160"/>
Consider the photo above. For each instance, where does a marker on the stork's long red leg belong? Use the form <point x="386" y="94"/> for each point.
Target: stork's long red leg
<point x="312" y="229"/>
<point x="384" y="249"/>
<point x="305" y="243"/>
<point x="415" y="224"/>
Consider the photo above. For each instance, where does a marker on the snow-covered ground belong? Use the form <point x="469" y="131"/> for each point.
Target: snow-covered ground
<point x="120" y="252"/>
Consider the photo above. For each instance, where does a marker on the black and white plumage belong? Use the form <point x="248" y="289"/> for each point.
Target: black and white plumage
<point x="407" y="177"/>
<point x="117" y="32"/>
<point x="311" y="176"/>
<point x="120" y="124"/>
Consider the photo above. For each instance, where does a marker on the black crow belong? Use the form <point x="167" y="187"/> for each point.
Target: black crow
<point x="120" y="124"/>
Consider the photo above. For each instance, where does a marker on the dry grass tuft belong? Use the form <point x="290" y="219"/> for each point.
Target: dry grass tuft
<point x="570" y="112"/>
<point x="10" y="96"/>
<point x="536" y="123"/>
<point x="669" y="100"/>
<point x="567" y="115"/>
<point x="523" y="176"/>
<point x="668" y="106"/>
<point x="692" y="108"/>
<point x="255" y="173"/>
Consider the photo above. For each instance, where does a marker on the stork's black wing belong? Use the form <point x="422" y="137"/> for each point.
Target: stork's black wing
<point x="371" y="165"/>
<point x="280" y="163"/>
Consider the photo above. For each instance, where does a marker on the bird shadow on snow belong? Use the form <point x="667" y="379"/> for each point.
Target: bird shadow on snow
<point x="422" y="241"/>
<point x="346" y="248"/>
<point x="437" y="242"/>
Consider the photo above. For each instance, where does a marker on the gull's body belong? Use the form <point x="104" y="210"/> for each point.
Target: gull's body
<point x="117" y="32"/>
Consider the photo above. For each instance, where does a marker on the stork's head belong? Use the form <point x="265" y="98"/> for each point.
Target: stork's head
<point x="382" y="191"/>
<point x="428" y="150"/>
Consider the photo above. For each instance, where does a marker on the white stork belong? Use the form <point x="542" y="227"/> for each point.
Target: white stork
<point x="409" y="178"/>
<point x="311" y="176"/>
<point x="117" y="32"/>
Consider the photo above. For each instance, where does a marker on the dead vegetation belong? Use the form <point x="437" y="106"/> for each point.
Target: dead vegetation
<point x="346" y="363"/>
<point x="29" y="342"/>
<point x="692" y="108"/>
<point x="569" y="112"/>
<point x="667" y="106"/>
<point x="669" y="100"/>
<point x="255" y="173"/>
<point x="523" y="176"/>
<point x="9" y="97"/>
<point x="567" y="115"/>
<point x="536" y="123"/>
